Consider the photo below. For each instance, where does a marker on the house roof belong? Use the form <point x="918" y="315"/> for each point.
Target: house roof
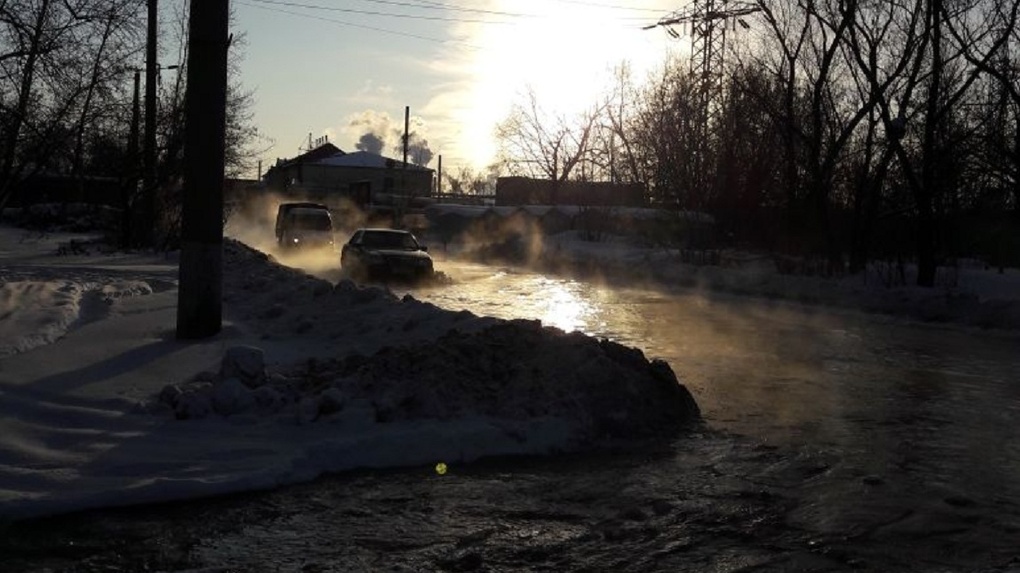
<point x="366" y="159"/>
<point x="311" y="156"/>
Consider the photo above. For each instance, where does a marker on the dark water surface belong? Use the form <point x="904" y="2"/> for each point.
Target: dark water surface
<point x="833" y="442"/>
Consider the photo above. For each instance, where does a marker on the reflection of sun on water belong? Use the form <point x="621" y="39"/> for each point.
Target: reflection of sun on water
<point x="562" y="307"/>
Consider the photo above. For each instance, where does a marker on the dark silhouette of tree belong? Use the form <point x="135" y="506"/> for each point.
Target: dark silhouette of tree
<point x="535" y="143"/>
<point x="65" y="74"/>
<point x="664" y="138"/>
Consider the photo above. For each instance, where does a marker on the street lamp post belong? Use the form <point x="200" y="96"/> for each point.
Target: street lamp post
<point x="147" y="205"/>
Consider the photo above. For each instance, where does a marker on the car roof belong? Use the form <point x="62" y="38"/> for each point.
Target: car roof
<point x="307" y="211"/>
<point x="382" y="230"/>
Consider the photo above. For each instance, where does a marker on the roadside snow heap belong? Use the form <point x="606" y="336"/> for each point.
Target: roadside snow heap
<point x="510" y="372"/>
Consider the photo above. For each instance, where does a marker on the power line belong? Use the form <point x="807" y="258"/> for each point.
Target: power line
<point x="447" y="6"/>
<point x="426" y="5"/>
<point x="386" y="14"/>
<point x="361" y="26"/>
<point x="274" y="6"/>
<point x="608" y="6"/>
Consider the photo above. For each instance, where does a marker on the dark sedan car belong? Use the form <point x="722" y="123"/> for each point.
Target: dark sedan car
<point x="385" y="253"/>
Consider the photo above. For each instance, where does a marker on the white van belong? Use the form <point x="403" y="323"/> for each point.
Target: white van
<point x="304" y="225"/>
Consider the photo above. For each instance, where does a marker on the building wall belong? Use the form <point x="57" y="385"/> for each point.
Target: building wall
<point x="325" y="182"/>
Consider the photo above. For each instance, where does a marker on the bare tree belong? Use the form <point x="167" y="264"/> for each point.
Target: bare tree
<point x="534" y="143"/>
<point x="31" y="35"/>
<point x="63" y="73"/>
<point x="243" y="143"/>
<point x="614" y="155"/>
<point x="989" y="42"/>
<point x="926" y="67"/>
<point x="664" y="138"/>
<point x="114" y="35"/>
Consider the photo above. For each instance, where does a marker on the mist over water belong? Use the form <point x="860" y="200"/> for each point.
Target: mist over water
<point x="253" y="224"/>
<point x="776" y="371"/>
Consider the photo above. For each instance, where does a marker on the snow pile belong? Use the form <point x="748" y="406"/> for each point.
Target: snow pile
<point x="519" y="370"/>
<point x="40" y="312"/>
<point x="513" y="371"/>
<point x="423" y="363"/>
<point x="280" y="304"/>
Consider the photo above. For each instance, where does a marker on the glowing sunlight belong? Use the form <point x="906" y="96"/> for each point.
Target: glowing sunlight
<point x="565" y="53"/>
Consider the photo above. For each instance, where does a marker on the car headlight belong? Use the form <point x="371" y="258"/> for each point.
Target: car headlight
<point x="297" y="240"/>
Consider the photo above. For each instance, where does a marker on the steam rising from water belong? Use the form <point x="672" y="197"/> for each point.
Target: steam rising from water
<point x="254" y="224"/>
<point x="776" y="370"/>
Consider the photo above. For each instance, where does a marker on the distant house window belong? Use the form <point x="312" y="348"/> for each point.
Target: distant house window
<point x="388" y="184"/>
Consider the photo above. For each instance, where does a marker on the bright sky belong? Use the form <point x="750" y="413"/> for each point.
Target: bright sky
<point x="325" y="67"/>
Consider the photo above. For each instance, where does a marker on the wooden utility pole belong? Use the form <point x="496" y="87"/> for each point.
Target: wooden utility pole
<point x="403" y="172"/>
<point x="199" y="298"/>
<point x="130" y="188"/>
<point x="401" y="204"/>
<point x="147" y="212"/>
<point x="407" y="118"/>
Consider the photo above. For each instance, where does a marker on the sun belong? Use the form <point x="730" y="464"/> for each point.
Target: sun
<point x="566" y="53"/>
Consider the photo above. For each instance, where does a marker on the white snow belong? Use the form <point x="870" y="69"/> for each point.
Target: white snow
<point x="100" y="405"/>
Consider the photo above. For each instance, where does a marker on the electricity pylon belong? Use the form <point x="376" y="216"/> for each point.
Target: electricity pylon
<point x="707" y="22"/>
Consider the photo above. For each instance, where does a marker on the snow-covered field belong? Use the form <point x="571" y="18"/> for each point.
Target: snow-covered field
<point x="100" y="405"/>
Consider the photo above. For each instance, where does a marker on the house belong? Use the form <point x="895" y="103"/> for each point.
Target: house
<point x="326" y="174"/>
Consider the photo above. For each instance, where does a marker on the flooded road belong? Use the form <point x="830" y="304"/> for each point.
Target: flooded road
<point x="834" y="441"/>
<point x="778" y="372"/>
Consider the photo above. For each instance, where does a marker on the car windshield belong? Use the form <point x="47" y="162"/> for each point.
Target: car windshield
<point x="312" y="221"/>
<point x="389" y="240"/>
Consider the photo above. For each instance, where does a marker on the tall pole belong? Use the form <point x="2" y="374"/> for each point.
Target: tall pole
<point x="199" y="298"/>
<point x="407" y="117"/>
<point x="147" y="212"/>
<point x="439" y="180"/>
<point x="131" y="184"/>
<point x="403" y="173"/>
<point x="402" y="203"/>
